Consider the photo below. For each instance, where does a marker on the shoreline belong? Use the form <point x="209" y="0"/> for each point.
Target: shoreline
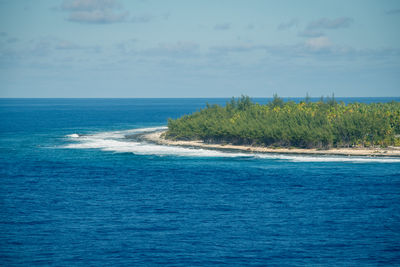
<point x="155" y="137"/>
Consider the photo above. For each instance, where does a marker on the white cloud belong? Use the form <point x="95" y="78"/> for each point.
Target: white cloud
<point x="97" y="16"/>
<point x="94" y="11"/>
<point x="319" y="43"/>
<point x="317" y="28"/>
<point x="324" y="23"/>
<point x="89" y="5"/>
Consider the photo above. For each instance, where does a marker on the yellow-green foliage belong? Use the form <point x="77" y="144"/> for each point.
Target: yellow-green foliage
<point x="318" y="124"/>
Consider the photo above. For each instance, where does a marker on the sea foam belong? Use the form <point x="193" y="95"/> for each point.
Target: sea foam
<point x="117" y="141"/>
<point x="73" y="135"/>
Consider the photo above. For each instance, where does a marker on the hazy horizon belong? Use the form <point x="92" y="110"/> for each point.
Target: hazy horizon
<point x="285" y="98"/>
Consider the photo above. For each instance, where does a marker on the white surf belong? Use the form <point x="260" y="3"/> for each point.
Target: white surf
<point x="117" y="141"/>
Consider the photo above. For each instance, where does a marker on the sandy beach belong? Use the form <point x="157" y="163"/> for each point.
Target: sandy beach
<point x="156" y="137"/>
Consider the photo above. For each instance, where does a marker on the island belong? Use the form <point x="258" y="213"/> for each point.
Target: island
<point x="322" y="127"/>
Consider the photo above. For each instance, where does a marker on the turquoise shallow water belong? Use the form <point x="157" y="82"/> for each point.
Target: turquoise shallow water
<point x="75" y="191"/>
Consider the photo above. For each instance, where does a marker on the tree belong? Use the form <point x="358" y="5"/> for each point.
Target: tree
<point x="277" y="101"/>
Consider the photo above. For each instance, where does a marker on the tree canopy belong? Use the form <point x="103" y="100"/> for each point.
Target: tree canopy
<point x="321" y="124"/>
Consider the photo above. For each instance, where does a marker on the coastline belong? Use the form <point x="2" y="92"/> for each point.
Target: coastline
<point x="156" y="137"/>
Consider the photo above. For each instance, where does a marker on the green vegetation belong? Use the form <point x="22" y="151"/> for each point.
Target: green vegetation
<point x="322" y="124"/>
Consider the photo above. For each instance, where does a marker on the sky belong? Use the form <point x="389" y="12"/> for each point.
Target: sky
<point x="187" y="48"/>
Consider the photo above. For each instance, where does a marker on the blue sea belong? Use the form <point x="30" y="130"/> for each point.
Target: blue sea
<point x="78" y="188"/>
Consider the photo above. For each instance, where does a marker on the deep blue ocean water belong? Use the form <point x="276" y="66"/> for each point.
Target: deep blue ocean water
<point x="75" y="190"/>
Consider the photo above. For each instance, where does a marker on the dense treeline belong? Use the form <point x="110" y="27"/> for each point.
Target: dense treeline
<point x="308" y="124"/>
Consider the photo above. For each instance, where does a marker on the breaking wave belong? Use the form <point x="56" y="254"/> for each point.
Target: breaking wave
<point x="128" y="141"/>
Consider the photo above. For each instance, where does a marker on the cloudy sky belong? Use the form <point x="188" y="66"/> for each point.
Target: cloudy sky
<point x="145" y="48"/>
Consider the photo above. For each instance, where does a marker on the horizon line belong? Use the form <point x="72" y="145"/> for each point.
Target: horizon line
<point x="218" y="97"/>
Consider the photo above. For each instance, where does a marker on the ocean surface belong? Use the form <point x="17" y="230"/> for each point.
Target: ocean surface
<point x="79" y="189"/>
